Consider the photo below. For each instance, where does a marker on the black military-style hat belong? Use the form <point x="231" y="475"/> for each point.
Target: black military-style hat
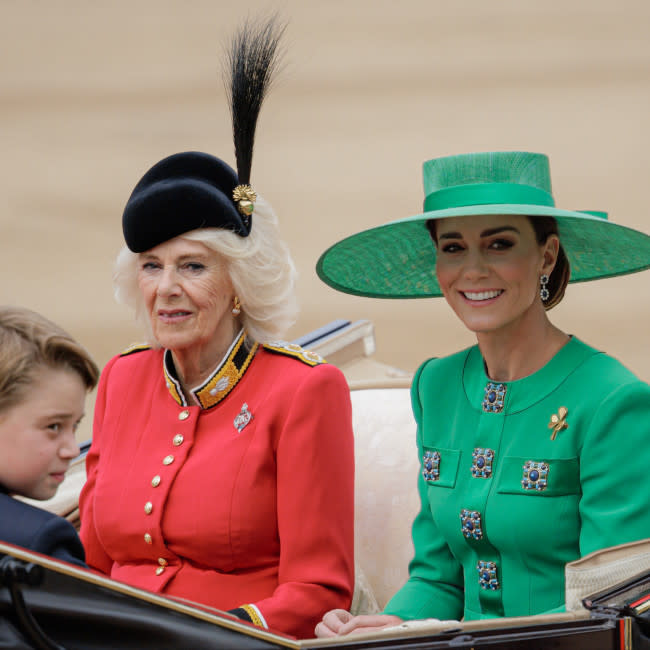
<point x="192" y="189"/>
<point x="180" y="193"/>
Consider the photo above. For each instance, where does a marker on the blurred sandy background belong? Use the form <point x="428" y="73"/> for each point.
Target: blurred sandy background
<point x="93" y="93"/>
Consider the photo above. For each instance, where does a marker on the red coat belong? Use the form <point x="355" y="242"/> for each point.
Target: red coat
<point x="247" y="502"/>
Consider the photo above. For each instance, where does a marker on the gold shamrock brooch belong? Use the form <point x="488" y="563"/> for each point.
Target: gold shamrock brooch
<point x="558" y="421"/>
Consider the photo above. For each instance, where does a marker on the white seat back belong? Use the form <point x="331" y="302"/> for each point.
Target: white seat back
<point x="386" y="498"/>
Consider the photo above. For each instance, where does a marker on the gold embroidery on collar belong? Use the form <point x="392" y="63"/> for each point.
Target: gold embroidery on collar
<point x="221" y="382"/>
<point x="227" y="377"/>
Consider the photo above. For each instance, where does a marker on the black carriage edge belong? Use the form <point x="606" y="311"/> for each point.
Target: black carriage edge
<point x="49" y="604"/>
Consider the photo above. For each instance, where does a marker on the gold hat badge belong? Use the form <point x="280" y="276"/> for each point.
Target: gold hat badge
<point x="245" y="197"/>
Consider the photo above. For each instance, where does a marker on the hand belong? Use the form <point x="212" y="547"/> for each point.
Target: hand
<point x="338" y="622"/>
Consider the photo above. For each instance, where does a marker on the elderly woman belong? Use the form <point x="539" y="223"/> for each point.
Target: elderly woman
<point x="532" y="443"/>
<point x="221" y="467"/>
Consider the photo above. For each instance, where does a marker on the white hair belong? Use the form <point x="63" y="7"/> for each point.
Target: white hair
<point x="261" y="270"/>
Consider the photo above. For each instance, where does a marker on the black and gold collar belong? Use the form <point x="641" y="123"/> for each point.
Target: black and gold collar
<point x="224" y="378"/>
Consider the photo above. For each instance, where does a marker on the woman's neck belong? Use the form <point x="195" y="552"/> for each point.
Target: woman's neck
<point x="520" y="350"/>
<point x="195" y="364"/>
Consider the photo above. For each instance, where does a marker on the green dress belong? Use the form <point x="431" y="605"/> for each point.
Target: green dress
<point x="511" y="494"/>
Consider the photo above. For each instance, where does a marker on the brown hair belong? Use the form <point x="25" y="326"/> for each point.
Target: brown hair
<point x="559" y="278"/>
<point x="543" y="227"/>
<point x="29" y="341"/>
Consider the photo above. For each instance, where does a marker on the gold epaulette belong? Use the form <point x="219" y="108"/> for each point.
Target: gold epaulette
<point x="135" y="347"/>
<point x="295" y="351"/>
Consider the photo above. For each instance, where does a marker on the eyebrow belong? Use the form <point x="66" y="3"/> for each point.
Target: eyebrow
<point x="486" y="233"/>
<point x="60" y="415"/>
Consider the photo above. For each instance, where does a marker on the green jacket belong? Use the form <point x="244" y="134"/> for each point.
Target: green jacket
<point x="507" y="500"/>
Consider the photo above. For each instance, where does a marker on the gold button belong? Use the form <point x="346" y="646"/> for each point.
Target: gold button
<point x="148" y="507"/>
<point x="178" y="440"/>
<point x="147" y="538"/>
<point x="159" y="570"/>
<point x="162" y="561"/>
<point x="168" y="460"/>
<point x="155" y="481"/>
<point x="183" y="415"/>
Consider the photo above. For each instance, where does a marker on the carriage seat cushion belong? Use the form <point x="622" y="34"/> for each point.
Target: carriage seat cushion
<point x="386" y="496"/>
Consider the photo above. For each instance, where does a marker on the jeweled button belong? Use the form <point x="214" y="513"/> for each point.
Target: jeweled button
<point x="160" y="570"/>
<point x="482" y="462"/>
<point x="487" y="575"/>
<point x="178" y="440"/>
<point x="183" y="415"/>
<point x="147" y="538"/>
<point x="155" y="481"/>
<point x="431" y="466"/>
<point x="148" y="507"/>
<point x="168" y="460"/>
<point x="535" y="475"/>
<point x="162" y="561"/>
<point x="471" y="524"/>
<point x="494" y="397"/>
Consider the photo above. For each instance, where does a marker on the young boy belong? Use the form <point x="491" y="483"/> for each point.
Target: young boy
<point x="44" y="378"/>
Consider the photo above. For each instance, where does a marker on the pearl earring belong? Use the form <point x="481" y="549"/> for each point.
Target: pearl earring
<point x="236" y="306"/>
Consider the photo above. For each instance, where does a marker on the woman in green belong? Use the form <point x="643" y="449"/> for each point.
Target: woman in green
<point x="533" y="444"/>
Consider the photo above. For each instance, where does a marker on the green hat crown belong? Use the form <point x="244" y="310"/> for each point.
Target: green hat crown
<point x="487" y="178"/>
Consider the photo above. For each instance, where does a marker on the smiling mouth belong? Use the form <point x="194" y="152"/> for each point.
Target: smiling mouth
<point x="477" y="296"/>
<point x="177" y="313"/>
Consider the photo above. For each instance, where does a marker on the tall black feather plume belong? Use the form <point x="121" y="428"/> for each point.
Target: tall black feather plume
<point x="251" y="62"/>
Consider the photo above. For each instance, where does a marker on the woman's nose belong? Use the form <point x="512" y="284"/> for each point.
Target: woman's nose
<point x="167" y="282"/>
<point x="475" y="266"/>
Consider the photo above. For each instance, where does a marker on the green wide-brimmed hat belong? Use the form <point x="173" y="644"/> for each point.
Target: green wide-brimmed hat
<point x="397" y="259"/>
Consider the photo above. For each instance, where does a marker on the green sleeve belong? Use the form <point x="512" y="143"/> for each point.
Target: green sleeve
<point x="435" y="585"/>
<point x="614" y="470"/>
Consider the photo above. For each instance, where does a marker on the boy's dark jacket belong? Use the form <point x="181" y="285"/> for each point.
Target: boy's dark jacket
<point x="38" y="530"/>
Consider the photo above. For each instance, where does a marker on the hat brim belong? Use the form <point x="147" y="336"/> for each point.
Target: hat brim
<point x="397" y="259"/>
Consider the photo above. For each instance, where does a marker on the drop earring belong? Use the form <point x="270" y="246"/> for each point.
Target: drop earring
<point x="236" y="306"/>
<point x="544" y="293"/>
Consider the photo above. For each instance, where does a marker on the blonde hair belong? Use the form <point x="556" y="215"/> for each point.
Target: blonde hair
<point x="261" y="270"/>
<point x="29" y="342"/>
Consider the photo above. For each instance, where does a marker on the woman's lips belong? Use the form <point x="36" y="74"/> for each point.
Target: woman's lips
<point x="484" y="296"/>
<point x="173" y="315"/>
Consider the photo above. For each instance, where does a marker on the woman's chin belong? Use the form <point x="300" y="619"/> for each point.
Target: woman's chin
<point x="175" y="340"/>
<point x="479" y="323"/>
